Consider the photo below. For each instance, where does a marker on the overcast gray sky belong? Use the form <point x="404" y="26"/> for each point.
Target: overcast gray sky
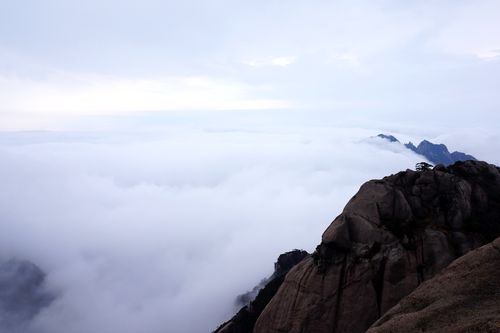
<point x="373" y="59"/>
<point x="190" y="137"/>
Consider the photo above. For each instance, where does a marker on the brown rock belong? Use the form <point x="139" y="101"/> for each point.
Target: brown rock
<point x="394" y="234"/>
<point x="464" y="297"/>
<point x="244" y="320"/>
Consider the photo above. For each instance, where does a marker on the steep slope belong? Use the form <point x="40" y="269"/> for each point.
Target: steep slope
<point x="464" y="297"/>
<point x="394" y="234"/>
<point x="244" y="320"/>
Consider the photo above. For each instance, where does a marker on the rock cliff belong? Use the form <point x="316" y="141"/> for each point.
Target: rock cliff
<point x="393" y="235"/>
<point x="259" y="297"/>
<point x="463" y="298"/>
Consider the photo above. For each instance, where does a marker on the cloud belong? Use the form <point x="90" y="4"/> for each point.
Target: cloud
<point x="146" y="231"/>
<point x="276" y="61"/>
<point x="472" y="30"/>
<point x="75" y="94"/>
<point x="347" y="58"/>
<point x="488" y="54"/>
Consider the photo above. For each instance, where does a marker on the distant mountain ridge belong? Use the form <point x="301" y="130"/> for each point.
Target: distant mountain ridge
<point x="435" y="153"/>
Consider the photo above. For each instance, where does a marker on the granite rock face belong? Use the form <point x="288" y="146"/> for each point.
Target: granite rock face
<point x="393" y="235"/>
<point x="464" y="297"/>
<point x="259" y="297"/>
<point x="284" y="263"/>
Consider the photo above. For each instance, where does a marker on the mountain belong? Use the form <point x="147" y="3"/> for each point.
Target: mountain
<point x="258" y="298"/>
<point x="22" y="293"/>
<point x="435" y="153"/>
<point x="395" y="234"/>
<point x="464" y="297"/>
<point x="390" y="138"/>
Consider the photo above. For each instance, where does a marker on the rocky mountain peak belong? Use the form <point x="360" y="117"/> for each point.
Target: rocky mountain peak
<point x="435" y="153"/>
<point x="393" y="235"/>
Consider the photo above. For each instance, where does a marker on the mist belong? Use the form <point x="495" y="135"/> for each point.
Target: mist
<point x="157" y="157"/>
<point x="159" y="231"/>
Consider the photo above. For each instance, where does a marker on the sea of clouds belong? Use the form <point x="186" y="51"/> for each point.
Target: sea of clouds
<point x="159" y="231"/>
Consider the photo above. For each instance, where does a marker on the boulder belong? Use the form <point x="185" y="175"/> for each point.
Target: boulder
<point x="463" y="298"/>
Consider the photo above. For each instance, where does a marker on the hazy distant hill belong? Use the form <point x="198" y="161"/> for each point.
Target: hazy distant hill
<point x="435" y="153"/>
<point x="22" y="294"/>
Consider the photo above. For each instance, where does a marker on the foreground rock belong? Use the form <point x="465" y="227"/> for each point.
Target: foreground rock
<point x="244" y="320"/>
<point x="394" y="234"/>
<point x="22" y="294"/>
<point x="464" y="297"/>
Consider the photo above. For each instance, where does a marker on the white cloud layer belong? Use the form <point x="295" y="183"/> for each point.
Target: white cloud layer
<point x="73" y="94"/>
<point x="276" y="61"/>
<point x="158" y="232"/>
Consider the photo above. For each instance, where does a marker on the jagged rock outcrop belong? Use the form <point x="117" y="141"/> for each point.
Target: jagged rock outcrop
<point x="394" y="234"/>
<point x="244" y="320"/>
<point x="388" y="137"/>
<point x="435" y="153"/>
<point x="438" y="153"/>
<point x="464" y="297"/>
<point x="284" y="263"/>
<point x="22" y="294"/>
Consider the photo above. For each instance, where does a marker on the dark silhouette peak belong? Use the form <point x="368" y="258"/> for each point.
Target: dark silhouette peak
<point x="426" y="143"/>
<point x="435" y="153"/>
<point x="287" y="260"/>
<point x="391" y="138"/>
<point x="410" y="146"/>
<point x="255" y="301"/>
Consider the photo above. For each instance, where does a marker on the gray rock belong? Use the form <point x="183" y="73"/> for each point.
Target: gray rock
<point x="393" y="235"/>
<point x="244" y="320"/>
<point x="464" y="297"/>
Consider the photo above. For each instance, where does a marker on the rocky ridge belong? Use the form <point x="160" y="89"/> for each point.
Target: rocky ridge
<point x="464" y="297"/>
<point x="435" y="153"/>
<point x="259" y="297"/>
<point x="393" y="235"/>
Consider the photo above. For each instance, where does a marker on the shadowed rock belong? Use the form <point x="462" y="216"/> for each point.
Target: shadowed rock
<point x="244" y="320"/>
<point x="464" y="297"/>
<point x="394" y="234"/>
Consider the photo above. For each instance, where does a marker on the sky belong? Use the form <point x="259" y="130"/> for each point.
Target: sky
<point x="158" y="156"/>
<point x="371" y="59"/>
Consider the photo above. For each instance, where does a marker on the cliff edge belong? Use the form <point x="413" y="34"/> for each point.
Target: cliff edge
<point x="393" y="235"/>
